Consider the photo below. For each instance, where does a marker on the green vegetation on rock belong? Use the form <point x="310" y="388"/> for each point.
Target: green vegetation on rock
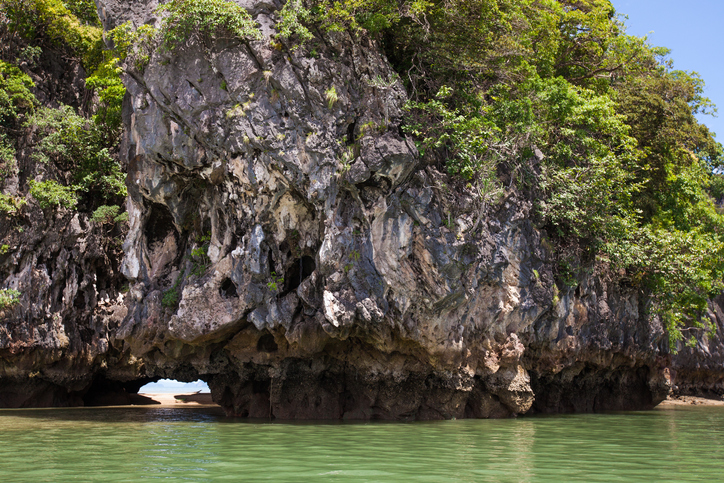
<point x="53" y="24"/>
<point x="293" y="15"/>
<point x="205" y="21"/>
<point x="106" y="81"/>
<point x="8" y="298"/>
<point x="68" y="152"/>
<point x="547" y="97"/>
<point x="184" y="22"/>
<point x="50" y="194"/>
<point x="84" y="10"/>
<point x="171" y="297"/>
<point x="108" y="215"/>
<point x="75" y="144"/>
<point x="11" y="205"/>
<point x="8" y="166"/>
<point x="16" y="98"/>
<point x="554" y="98"/>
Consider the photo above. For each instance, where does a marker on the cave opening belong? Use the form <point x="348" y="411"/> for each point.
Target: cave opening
<point x="159" y="224"/>
<point x="267" y="344"/>
<point x="173" y="386"/>
<point x="148" y="391"/>
<point x="227" y="289"/>
<point x="299" y="270"/>
<point x="107" y="392"/>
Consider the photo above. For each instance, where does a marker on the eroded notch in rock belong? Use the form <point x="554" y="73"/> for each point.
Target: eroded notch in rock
<point x="300" y="269"/>
<point x="79" y="301"/>
<point x="351" y="128"/>
<point x="159" y="224"/>
<point x="227" y="289"/>
<point x="270" y="263"/>
<point x="267" y="344"/>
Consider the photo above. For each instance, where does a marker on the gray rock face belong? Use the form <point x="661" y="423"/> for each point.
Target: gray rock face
<point x="697" y="370"/>
<point x="342" y="278"/>
<point x="58" y="336"/>
<point x="56" y="340"/>
<point x="288" y="245"/>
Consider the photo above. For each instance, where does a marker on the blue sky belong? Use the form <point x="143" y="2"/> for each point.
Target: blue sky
<point x="175" y="387"/>
<point x="693" y="31"/>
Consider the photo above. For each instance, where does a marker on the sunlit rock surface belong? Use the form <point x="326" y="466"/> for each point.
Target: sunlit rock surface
<point x="291" y="248"/>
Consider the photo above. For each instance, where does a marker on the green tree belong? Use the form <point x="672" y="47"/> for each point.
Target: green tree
<point x="626" y="177"/>
<point x="16" y="97"/>
<point x="79" y="146"/>
<point x="49" y="23"/>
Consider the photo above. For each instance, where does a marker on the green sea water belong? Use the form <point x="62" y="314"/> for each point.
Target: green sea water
<point x="198" y="445"/>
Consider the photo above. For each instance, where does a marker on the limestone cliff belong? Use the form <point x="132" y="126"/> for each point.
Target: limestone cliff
<point x="288" y="245"/>
<point x="67" y="270"/>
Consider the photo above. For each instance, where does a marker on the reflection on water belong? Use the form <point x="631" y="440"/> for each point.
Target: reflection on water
<point x="135" y="444"/>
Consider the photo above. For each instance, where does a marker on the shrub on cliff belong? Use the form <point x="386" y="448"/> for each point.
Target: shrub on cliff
<point x="72" y="143"/>
<point x="8" y="166"/>
<point x="8" y="298"/>
<point x="73" y="27"/>
<point x="106" y="81"/>
<point x="16" y="102"/>
<point x="52" y="24"/>
<point x="108" y="215"/>
<point x="205" y="21"/>
<point x="50" y="194"/>
<point x="16" y="97"/>
<point x="11" y="205"/>
<point x="72" y="152"/>
<point x="84" y="10"/>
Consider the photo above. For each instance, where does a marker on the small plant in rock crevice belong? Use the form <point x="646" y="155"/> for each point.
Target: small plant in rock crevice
<point x="331" y="96"/>
<point x="171" y="296"/>
<point x="346" y="160"/>
<point x="11" y="205"/>
<point x="8" y="298"/>
<point x="275" y="283"/>
<point x="200" y="256"/>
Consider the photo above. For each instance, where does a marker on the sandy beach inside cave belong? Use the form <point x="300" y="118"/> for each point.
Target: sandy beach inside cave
<point x="176" y="400"/>
<point x="690" y="401"/>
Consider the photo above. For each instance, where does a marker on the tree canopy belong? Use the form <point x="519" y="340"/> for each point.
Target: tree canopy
<point x="629" y="178"/>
